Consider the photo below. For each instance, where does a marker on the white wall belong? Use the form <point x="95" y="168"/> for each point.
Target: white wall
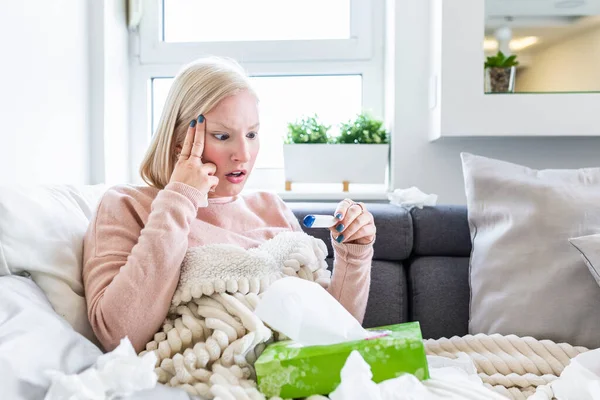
<point x="109" y="100"/>
<point x="435" y="167"/>
<point x="570" y="65"/>
<point x="44" y="92"/>
<point x="46" y="99"/>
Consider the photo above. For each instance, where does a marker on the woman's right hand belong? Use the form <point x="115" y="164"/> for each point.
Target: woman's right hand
<point x="189" y="168"/>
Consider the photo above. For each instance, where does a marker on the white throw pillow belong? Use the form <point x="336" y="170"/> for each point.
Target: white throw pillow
<point x="41" y="233"/>
<point x="589" y="247"/>
<point x="526" y="278"/>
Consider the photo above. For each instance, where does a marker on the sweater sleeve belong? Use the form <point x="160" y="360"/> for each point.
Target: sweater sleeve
<point x="131" y="267"/>
<point x="351" y="278"/>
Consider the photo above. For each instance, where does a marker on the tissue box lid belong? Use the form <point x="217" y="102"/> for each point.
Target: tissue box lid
<point x="287" y="370"/>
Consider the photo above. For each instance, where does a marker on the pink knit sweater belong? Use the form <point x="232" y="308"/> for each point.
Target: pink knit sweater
<point x="138" y="238"/>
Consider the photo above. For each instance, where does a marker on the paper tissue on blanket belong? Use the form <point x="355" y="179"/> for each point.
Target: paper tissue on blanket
<point x="451" y="379"/>
<point x="323" y="334"/>
<point x="116" y="374"/>
<point x="580" y="380"/>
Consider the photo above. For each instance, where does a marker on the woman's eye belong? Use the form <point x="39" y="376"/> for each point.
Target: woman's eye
<point x="252" y="135"/>
<point x="221" y="136"/>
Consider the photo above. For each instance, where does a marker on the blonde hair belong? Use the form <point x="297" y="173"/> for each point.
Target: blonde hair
<point x="196" y="89"/>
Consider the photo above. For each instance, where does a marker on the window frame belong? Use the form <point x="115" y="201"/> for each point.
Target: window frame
<point x="360" y="55"/>
<point x="358" y="47"/>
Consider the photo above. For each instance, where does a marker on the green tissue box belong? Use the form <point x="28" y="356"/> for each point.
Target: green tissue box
<point x="290" y="371"/>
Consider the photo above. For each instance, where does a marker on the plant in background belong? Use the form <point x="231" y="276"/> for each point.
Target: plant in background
<point x="500" y="73"/>
<point x="307" y="130"/>
<point x="501" y="61"/>
<point x="365" y="129"/>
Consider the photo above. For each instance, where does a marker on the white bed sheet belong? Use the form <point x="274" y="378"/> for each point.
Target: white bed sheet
<point x="35" y="339"/>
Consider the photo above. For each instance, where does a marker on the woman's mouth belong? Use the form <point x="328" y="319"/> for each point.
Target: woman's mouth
<point x="236" y="176"/>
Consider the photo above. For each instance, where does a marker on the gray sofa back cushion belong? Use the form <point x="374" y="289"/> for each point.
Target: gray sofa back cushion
<point x="441" y="231"/>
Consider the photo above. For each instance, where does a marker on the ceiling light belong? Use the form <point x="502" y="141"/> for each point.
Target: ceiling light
<point x="521" y="43"/>
<point x="515" y="44"/>
<point x="490" y="44"/>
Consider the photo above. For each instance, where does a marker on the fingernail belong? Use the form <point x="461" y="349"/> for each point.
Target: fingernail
<point x="200" y="118"/>
<point x="340" y="238"/>
<point x="193" y="123"/>
<point x="339" y="228"/>
<point x="338" y="216"/>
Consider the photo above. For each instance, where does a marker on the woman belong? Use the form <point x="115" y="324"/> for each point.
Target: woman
<point x="199" y="160"/>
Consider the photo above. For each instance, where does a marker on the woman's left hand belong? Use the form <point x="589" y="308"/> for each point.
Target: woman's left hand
<point x="356" y="224"/>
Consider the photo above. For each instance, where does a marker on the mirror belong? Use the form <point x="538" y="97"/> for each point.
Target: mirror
<point x="547" y="46"/>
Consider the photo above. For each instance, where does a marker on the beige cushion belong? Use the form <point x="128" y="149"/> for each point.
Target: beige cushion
<point x="526" y="278"/>
<point x="589" y="247"/>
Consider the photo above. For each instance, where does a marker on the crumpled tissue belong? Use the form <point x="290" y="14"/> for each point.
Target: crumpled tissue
<point x="115" y="374"/>
<point x="298" y="308"/>
<point x="412" y="197"/>
<point x="580" y="380"/>
<point x="450" y="379"/>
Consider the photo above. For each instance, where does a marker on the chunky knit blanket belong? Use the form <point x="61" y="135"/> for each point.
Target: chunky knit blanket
<point x="211" y="338"/>
<point x="519" y="368"/>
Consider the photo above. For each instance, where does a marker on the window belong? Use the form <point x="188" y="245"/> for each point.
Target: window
<point x="193" y="20"/>
<point x="304" y="57"/>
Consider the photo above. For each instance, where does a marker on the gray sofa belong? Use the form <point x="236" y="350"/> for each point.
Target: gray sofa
<point x="420" y="268"/>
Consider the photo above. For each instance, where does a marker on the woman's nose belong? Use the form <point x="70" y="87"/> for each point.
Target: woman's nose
<point x="242" y="152"/>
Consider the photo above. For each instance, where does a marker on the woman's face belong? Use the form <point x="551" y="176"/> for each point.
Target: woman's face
<point x="231" y="141"/>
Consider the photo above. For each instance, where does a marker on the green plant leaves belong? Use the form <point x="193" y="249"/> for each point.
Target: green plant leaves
<point x="501" y="61"/>
<point x="307" y="130"/>
<point x="364" y="129"/>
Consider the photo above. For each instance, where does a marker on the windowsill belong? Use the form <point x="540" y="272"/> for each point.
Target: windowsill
<point x="331" y="196"/>
<point x="308" y="192"/>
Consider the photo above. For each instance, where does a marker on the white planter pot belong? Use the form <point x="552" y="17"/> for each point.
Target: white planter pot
<point x="335" y="163"/>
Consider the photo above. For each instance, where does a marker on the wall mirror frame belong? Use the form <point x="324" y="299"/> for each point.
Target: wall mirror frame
<point x="460" y="108"/>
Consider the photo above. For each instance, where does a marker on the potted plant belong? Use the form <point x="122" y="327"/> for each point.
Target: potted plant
<point x="500" y="73"/>
<point x="308" y="130"/>
<point x="359" y="154"/>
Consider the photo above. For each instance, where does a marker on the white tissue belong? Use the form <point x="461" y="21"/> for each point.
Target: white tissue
<point x="356" y="381"/>
<point x="306" y="313"/>
<point x="450" y="379"/>
<point x="115" y="374"/>
<point x="580" y="380"/>
<point x="412" y="197"/>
